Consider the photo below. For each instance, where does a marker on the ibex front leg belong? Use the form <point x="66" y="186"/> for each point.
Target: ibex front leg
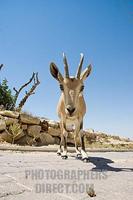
<point x="64" y="153"/>
<point x="76" y="135"/>
<point x="63" y="142"/>
<point x="83" y="151"/>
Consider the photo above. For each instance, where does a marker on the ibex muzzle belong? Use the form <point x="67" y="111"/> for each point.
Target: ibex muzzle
<point x="71" y="107"/>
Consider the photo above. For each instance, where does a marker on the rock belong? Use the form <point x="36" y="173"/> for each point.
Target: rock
<point x="44" y="125"/>
<point x="5" y="136"/>
<point x="90" y="130"/>
<point x="27" y="119"/>
<point x="90" y="137"/>
<point x="24" y="126"/>
<point x="91" y="192"/>
<point x="46" y="139"/>
<point x="71" y="141"/>
<point x="8" y="113"/>
<point x="34" y="131"/>
<point x="20" y="135"/>
<point x="57" y="140"/>
<point x="25" y="140"/>
<point x="53" y="124"/>
<point x="2" y="125"/>
<point x="54" y="132"/>
<point x="10" y="121"/>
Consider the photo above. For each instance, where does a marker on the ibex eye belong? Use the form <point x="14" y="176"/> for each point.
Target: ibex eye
<point x="61" y="87"/>
<point x="82" y="88"/>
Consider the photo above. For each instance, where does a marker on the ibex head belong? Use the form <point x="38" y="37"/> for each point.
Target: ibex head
<point x="71" y="87"/>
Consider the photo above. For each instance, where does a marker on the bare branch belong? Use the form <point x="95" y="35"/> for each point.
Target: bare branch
<point x="22" y="87"/>
<point x="30" y="92"/>
<point x="15" y="90"/>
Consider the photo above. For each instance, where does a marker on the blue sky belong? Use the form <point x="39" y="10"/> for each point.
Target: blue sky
<point x="35" y="32"/>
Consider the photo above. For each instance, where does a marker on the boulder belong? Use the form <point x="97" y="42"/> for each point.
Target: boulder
<point x="25" y="140"/>
<point x="34" y="131"/>
<point x="90" y="137"/>
<point x="19" y="135"/>
<point x="8" y="113"/>
<point x="5" y="136"/>
<point x="90" y="130"/>
<point x="44" y="124"/>
<point x="24" y="126"/>
<point x="54" y="132"/>
<point x="53" y="124"/>
<point x="2" y="125"/>
<point x="46" y="139"/>
<point x="28" y="119"/>
<point x="70" y="141"/>
<point x="57" y="140"/>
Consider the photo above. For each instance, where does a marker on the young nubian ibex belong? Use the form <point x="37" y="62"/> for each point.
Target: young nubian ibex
<point x="71" y="107"/>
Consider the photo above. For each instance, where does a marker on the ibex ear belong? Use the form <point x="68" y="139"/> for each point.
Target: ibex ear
<point x="85" y="73"/>
<point x="55" y="72"/>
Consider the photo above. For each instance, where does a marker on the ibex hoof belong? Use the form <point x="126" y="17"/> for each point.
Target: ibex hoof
<point x="79" y="156"/>
<point x="58" y="153"/>
<point x="85" y="160"/>
<point x="64" y="157"/>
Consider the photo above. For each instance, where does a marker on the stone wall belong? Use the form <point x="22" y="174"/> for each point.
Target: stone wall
<point x="25" y="129"/>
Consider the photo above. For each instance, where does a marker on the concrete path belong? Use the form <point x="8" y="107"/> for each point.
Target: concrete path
<point x="43" y="175"/>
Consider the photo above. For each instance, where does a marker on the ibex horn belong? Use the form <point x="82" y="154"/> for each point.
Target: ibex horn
<point x="80" y="66"/>
<point x="66" y="66"/>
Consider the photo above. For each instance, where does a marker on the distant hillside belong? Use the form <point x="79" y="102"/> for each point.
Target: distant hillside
<point x="96" y="139"/>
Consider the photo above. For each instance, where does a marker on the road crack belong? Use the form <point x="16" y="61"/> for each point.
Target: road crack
<point x="12" y="193"/>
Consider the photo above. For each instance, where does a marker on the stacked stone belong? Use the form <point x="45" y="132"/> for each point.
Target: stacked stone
<point x="25" y="129"/>
<point x="30" y="130"/>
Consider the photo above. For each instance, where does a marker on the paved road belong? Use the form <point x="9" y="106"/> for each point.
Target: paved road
<point x="42" y="175"/>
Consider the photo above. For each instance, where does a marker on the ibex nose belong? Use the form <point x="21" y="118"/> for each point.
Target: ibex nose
<point x="70" y="109"/>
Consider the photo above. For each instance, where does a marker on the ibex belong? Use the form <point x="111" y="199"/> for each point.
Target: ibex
<point x="71" y="107"/>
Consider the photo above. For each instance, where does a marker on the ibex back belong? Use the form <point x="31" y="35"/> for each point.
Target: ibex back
<point x="71" y="107"/>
